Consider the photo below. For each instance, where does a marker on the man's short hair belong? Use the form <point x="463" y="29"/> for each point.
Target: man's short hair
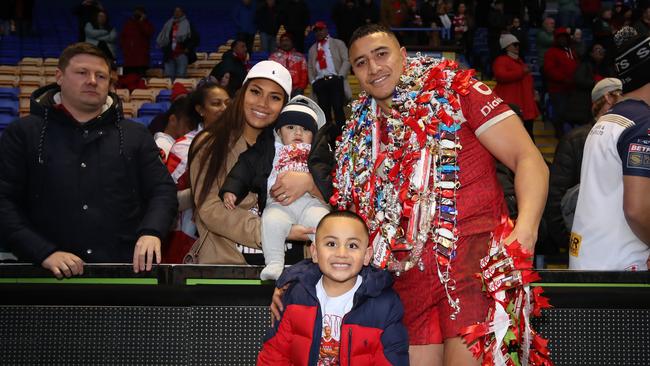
<point x="369" y="29"/>
<point x="235" y="41"/>
<point x="346" y="214"/>
<point x="81" y="48"/>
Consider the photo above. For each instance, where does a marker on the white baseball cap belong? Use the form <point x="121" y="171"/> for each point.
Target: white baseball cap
<point x="506" y="40"/>
<point x="273" y="71"/>
<point x="605" y="86"/>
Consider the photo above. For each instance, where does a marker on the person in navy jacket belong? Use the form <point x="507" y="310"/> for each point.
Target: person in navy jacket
<point x="337" y="310"/>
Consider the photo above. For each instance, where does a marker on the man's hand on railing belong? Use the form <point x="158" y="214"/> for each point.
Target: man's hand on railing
<point x="146" y="249"/>
<point x="64" y="264"/>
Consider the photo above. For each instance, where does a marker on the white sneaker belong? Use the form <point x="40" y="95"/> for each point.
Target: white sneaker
<point x="272" y="271"/>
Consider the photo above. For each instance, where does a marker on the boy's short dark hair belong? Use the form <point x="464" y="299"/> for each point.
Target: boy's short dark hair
<point x="368" y="29"/>
<point x="346" y="214"/>
<point x="178" y="107"/>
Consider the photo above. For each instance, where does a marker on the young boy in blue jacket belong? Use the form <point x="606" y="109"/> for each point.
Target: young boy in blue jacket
<point x="337" y="310"/>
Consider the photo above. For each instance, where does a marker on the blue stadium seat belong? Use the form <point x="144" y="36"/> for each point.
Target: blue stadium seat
<point x="259" y="56"/>
<point x="164" y="96"/>
<point x="9" y="107"/>
<point x="9" y="93"/>
<point x="145" y="120"/>
<point x="5" y="120"/>
<point x="153" y="109"/>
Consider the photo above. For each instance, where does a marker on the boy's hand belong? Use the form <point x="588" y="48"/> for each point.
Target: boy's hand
<point x="229" y="200"/>
<point x="276" y="303"/>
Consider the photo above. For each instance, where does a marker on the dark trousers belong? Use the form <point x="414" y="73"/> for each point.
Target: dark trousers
<point x="559" y="105"/>
<point x="331" y="97"/>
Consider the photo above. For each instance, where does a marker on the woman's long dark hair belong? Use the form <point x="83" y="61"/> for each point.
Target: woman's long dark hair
<point x="216" y="141"/>
<point x="199" y="96"/>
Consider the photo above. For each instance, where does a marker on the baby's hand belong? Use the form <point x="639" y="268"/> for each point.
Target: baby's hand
<point x="229" y="200"/>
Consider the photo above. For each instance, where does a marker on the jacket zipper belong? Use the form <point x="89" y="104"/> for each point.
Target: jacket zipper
<point x="349" y="346"/>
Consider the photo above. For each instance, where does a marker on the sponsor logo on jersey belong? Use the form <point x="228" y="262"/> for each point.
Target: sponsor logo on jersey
<point x="638" y="160"/>
<point x="489" y="106"/>
<point x="482" y="88"/>
<point x="639" y="148"/>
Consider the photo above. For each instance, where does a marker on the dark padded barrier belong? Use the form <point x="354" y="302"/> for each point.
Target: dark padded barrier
<point x="218" y="315"/>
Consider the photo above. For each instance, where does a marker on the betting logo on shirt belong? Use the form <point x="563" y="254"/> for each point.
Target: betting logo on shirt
<point x="639" y="156"/>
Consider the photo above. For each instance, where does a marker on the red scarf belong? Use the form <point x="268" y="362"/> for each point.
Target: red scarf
<point x="320" y="54"/>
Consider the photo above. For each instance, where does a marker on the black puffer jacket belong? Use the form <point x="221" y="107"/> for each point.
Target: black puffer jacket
<point x="254" y="166"/>
<point x="565" y="173"/>
<point x="90" y="189"/>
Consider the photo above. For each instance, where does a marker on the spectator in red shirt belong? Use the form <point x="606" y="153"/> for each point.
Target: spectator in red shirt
<point x="134" y="40"/>
<point x="514" y="82"/>
<point x="560" y="64"/>
<point x="294" y="61"/>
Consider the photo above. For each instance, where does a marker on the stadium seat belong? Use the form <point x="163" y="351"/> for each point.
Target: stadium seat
<point x="124" y="94"/>
<point x="9" y="70"/>
<point x="145" y="120"/>
<point x="148" y="95"/>
<point x="215" y="56"/>
<point x="164" y="96"/>
<point x="49" y="70"/>
<point x="31" y="61"/>
<point x="51" y="62"/>
<point x="31" y="80"/>
<point x="197" y="73"/>
<point x="31" y="70"/>
<point x="5" y="120"/>
<point x="152" y="109"/>
<point x="190" y="84"/>
<point x="130" y="108"/>
<point x="201" y="56"/>
<point x="24" y="106"/>
<point x="27" y="90"/>
<point x="10" y="81"/>
<point x="206" y="65"/>
<point x="9" y="107"/>
<point x="259" y="56"/>
<point x="9" y="93"/>
<point x="159" y="83"/>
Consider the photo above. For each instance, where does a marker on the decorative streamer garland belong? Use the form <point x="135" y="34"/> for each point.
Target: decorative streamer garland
<point x="406" y="189"/>
<point x="507" y="337"/>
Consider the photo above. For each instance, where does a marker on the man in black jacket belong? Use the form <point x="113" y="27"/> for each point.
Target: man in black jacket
<point x="79" y="184"/>
<point x="233" y="63"/>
